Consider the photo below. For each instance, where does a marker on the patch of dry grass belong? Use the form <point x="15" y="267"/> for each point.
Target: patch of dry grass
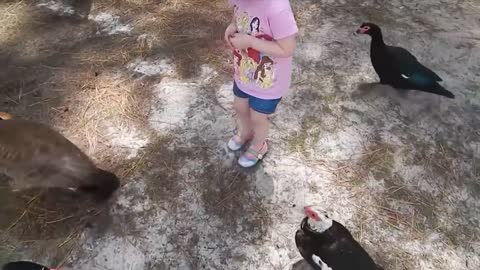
<point x="107" y="52"/>
<point x="395" y="204"/>
<point x="189" y="32"/>
<point x="12" y="16"/>
<point x="397" y="259"/>
<point x="308" y="137"/>
<point x="376" y="160"/>
<point x="228" y="194"/>
<point x="38" y="215"/>
<point x="161" y="167"/>
<point x="49" y="224"/>
<point x="400" y="205"/>
<point x="99" y="101"/>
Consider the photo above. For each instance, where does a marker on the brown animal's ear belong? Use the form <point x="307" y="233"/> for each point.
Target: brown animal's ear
<point x="5" y="116"/>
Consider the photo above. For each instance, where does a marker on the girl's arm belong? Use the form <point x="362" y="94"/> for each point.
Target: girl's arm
<point x="230" y="31"/>
<point x="280" y="48"/>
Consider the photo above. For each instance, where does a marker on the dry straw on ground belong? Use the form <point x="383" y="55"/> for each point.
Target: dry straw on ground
<point x="189" y="32"/>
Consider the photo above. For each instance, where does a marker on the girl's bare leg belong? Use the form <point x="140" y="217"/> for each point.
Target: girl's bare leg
<point x="260" y="124"/>
<point x="243" y="118"/>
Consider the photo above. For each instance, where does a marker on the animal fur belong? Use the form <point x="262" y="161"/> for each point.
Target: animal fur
<point x="35" y="155"/>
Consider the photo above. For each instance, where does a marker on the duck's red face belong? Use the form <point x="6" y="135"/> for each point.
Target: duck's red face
<point x="364" y="29"/>
<point x="312" y="213"/>
<point x="317" y="219"/>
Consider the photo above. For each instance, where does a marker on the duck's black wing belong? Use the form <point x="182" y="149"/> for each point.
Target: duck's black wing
<point x="408" y="65"/>
<point x="306" y="246"/>
<point x="414" y="74"/>
<point x="345" y="252"/>
<point x="348" y="254"/>
<point x="24" y="265"/>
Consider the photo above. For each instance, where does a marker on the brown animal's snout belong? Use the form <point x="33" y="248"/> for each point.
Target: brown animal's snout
<point x="5" y="116"/>
<point x="103" y="184"/>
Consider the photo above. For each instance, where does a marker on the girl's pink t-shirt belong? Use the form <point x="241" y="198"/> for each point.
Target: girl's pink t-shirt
<point x="256" y="73"/>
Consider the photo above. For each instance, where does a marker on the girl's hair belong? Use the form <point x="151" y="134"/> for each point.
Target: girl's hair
<point x="256" y="19"/>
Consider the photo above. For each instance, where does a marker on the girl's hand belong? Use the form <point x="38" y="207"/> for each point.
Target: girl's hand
<point x="229" y="32"/>
<point x="241" y="41"/>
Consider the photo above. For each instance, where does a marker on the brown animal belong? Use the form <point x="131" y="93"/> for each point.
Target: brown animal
<point x="5" y="116"/>
<point x="35" y="155"/>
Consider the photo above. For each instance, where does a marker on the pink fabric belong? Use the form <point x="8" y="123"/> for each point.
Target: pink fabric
<point x="257" y="74"/>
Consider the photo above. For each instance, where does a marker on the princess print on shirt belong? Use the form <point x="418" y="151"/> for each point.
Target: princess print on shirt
<point x="252" y="66"/>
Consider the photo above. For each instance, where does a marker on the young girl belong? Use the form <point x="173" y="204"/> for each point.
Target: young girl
<point x="262" y="37"/>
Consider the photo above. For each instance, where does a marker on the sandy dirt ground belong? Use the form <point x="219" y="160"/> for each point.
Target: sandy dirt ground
<point x="144" y="88"/>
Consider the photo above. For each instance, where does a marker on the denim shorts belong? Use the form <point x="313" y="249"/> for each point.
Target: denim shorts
<point x="265" y="106"/>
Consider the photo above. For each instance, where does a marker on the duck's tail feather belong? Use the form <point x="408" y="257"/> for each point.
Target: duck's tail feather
<point x="438" y="90"/>
<point x="442" y="91"/>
